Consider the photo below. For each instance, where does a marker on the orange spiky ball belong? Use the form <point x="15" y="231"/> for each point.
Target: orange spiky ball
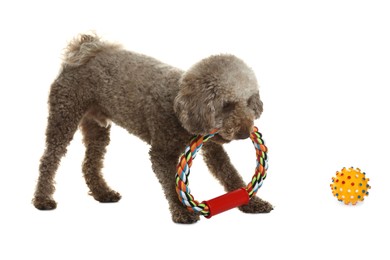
<point x="350" y="185"/>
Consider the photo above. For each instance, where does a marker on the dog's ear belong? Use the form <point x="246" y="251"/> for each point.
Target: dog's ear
<point x="194" y="104"/>
<point x="256" y="105"/>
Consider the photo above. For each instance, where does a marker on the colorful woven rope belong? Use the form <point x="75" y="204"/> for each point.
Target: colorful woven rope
<point x="185" y="162"/>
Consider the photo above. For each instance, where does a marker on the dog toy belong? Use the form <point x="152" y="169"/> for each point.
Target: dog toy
<point x="229" y="200"/>
<point x="350" y="185"/>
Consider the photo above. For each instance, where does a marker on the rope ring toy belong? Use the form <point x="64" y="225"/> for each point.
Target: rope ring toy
<point x="231" y="199"/>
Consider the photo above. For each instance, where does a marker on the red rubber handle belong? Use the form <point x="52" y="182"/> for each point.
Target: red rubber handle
<point x="227" y="201"/>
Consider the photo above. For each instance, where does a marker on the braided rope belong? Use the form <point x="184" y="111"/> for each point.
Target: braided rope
<point x="185" y="162"/>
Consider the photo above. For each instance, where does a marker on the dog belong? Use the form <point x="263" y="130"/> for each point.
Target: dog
<point x="101" y="82"/>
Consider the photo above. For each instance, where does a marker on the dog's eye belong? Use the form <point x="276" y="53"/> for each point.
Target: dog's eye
<point x="228" y="107"/>
<point x="250" y="101"/>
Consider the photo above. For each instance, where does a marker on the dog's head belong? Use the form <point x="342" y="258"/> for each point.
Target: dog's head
<point x="219" y="92"/>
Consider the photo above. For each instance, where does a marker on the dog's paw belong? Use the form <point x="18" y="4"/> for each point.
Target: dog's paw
<point x="184" y="217"/>
<point x="257" y="205"/>
<point x="107" y="197"/>
<point x="44" y="203"/>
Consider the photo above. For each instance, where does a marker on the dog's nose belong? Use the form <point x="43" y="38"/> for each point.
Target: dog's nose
<point x="243" y="134"/>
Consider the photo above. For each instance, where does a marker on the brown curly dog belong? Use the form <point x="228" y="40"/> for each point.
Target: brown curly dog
<point x="100" y="83"/>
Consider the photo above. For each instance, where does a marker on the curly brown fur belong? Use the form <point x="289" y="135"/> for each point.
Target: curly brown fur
<point x="102" y="83"/>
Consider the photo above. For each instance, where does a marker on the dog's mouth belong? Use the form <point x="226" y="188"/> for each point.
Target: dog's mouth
<point x="220" y="140"/>
<point x="223" y="137"/>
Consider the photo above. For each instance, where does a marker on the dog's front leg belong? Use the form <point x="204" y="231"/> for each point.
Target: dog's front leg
<point x="220" y="166"/>
<point x="164" y="163"/>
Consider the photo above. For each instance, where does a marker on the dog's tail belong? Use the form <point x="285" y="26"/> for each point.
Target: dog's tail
<point x="84" y="47"/>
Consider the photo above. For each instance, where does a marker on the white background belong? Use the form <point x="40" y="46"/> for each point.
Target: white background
<point x="323" y="68"/>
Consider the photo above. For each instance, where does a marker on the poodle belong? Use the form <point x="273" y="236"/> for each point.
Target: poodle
<point x="100" y="82"/>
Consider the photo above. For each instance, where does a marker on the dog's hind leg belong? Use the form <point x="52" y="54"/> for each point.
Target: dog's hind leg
<point x="96" y="138"/>
<point x="64" y="116"/>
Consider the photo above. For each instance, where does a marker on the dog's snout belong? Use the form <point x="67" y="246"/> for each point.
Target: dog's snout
<point x="245" y="129"/>
<point x="243" y="134"/>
